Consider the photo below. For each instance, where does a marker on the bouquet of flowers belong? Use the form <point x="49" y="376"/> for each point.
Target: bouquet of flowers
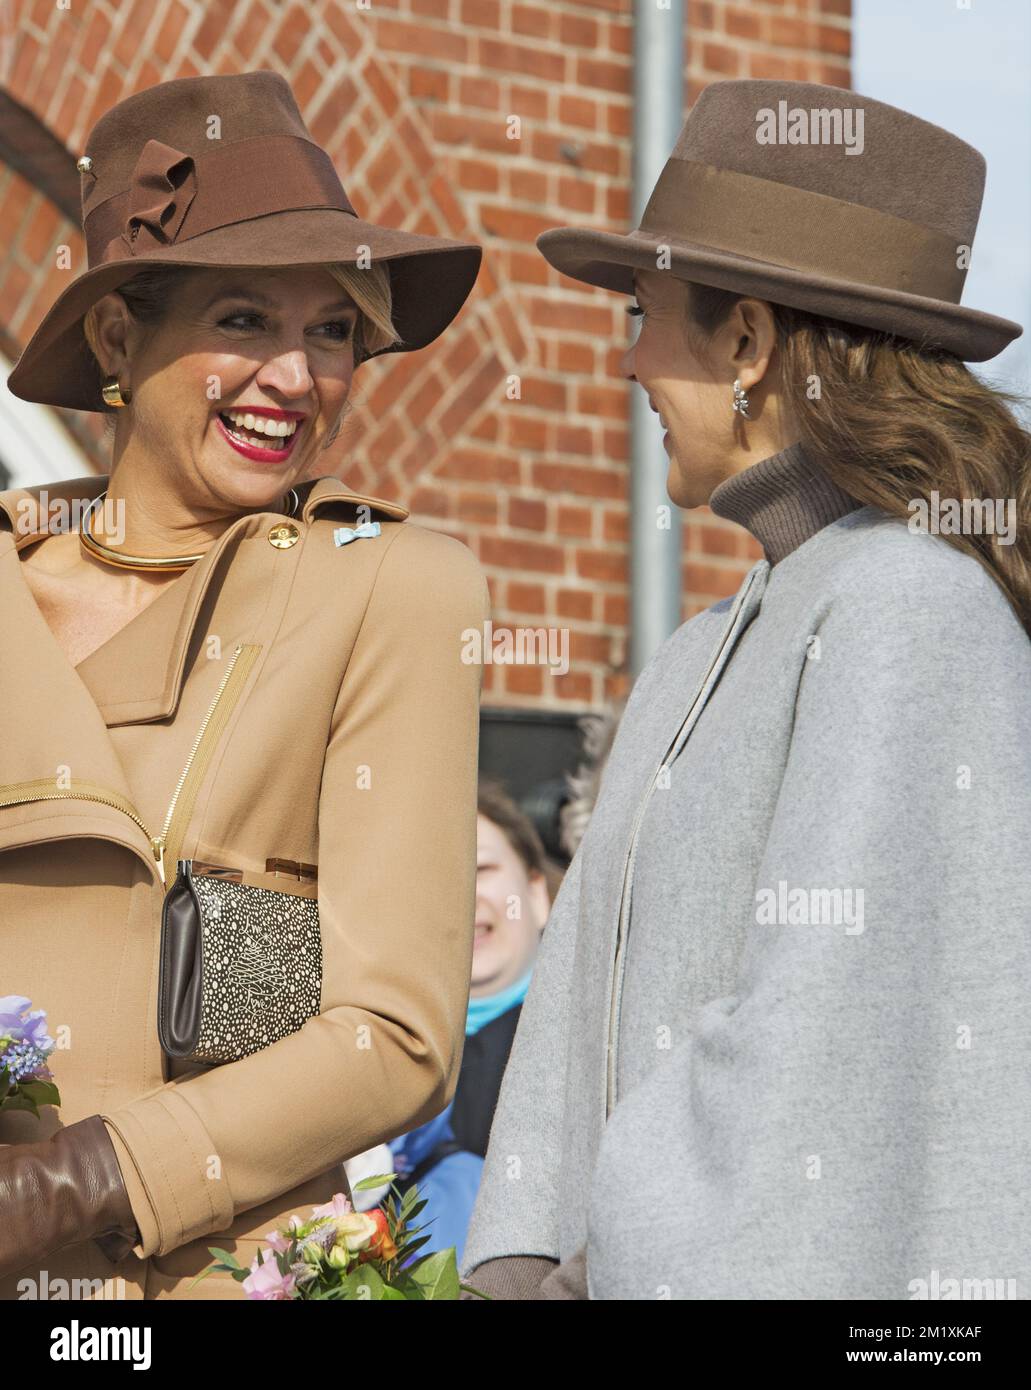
<point x="340" y="1253"/>
<point x="26" y="1081"/>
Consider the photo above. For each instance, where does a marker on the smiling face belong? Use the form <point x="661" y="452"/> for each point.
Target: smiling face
<point x="704" y="440"/>
<point x="511" y="909"/>
<point x="271" y="345"/>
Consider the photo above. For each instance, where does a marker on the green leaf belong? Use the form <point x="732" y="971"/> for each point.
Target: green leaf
<point x="468" y="1288"/>
<point x="437" y="1275"/>
<point x="5" y="1082"/>
<point x="16" y="1101"/>
<point x="42" y="1092"/>
<point x="356" y="1281"/>
<point x="227" y="1260"/>
<point x="367" y="1184"/>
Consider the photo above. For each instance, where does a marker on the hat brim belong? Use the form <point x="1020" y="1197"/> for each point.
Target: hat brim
<point x="431" y="278"/>
<point x="608" y="260"/>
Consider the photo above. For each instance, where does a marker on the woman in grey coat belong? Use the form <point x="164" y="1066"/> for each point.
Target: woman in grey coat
<point x="777" y="1043"/>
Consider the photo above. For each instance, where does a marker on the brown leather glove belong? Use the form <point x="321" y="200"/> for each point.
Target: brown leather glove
<point x="530" y="1277"/>
<point x="61" y="1191"/>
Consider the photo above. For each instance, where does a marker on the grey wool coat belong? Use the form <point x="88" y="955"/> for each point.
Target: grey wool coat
<point x="778" y="1039"/>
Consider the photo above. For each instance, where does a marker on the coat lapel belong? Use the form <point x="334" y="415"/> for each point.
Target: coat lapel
<point x="57" y="717"/>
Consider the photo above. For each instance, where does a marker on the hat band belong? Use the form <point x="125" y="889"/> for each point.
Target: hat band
<point x="801" y="230"/>
<point x="174" y="197"/>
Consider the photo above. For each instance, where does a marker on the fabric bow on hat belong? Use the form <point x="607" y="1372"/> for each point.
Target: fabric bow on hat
<point x="164" y="184"/>
<point x="343" y="535"/>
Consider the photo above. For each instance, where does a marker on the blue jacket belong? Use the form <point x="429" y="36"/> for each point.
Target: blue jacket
<point x="449" y="1188"/>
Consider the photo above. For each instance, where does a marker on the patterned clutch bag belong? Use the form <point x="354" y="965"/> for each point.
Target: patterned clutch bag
<point x="241" y="962"/>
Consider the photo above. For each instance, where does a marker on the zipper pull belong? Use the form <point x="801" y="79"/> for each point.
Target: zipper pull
<point x="158" y="847"/>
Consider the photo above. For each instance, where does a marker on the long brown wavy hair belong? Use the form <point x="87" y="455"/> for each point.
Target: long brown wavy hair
<point x="892" y="422"/>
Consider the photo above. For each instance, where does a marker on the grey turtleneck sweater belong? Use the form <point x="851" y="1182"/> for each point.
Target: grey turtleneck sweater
<point x="782" y="501"/>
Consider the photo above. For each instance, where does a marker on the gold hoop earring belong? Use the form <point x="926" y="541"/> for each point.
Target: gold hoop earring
<point x="113" y="393"/>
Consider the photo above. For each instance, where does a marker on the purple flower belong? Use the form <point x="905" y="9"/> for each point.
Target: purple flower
<point x="25" y="1062"/>
<point x="21" y="1025"/>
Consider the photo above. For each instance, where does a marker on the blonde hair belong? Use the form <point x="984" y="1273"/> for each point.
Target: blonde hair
<point x="149" y="293"/>
<point x="895" y="421"/>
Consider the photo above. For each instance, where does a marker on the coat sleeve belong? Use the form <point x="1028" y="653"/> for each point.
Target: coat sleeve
<point x="516" y="1212"/>
<point x="853" y="1120"/>
<point x="397" y="876"/>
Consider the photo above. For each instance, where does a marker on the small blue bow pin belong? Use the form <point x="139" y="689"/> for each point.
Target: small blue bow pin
<point x="343" y="535"/>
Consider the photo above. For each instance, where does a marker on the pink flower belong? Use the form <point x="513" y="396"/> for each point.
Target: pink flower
<point x="265" y="1281"/>
<point x="280" y="1241"/>
<point x="339" y="1206"/>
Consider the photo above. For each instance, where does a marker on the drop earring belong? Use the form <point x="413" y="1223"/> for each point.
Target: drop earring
<point x="113" y="393"/>
<point x="740" y="401"/>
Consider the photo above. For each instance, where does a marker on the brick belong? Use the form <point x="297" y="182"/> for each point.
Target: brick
<point x="607" y="76"/>
<point x="575" y="603"/>
<point x="431" y="84"/>
<point x="531" y="20"/>
<point x="571" y="317"/>
<point x="578" y="31"/>
<point x="529" y="102"/>
<point x="527" y="268"/>
<point x="525" y="598"/>
<point x="575" y="521"/>
<point x="428" y="501"/>
<point x="544" y="394"/>
<point x="574" y="686"/>
<point x="527" y="513"/>
<point x="609" y="402"/>
<point x="478" y="176"/>
<point x="577" y="195"/>
<point x="532" y="61"/>
<point x="525" y="431"/>
<point x="833" y="40"/>
<point x="522" y="555"/>
<point x="481" y="507"/>
<point x="576" y="358"/>
<point x="514" y="223"/>
<point x="528" y="185"/>
<point x="615" y="610"/>
<point x="524" y="679"/>
<point x="621" y="37"/>
<point x="581" y="481"/>
<point x="717" y="57"/>
<point x="292" y="31"/>
<point x="483" y="14"/>
<point x="40" y="233"/>
<point x="578" y="111"/>
<point x="605" y="566"/>
<point x="383" y="85"/>
<point x="741" y="23"/>
<point x="479" y="91"/>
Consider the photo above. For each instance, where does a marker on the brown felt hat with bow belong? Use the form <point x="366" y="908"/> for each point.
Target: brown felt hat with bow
<point x="763" y="195"/>
<point x="157" y="190"/>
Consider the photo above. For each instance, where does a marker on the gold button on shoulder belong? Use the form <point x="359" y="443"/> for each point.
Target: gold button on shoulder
<point x="284" y="535"/>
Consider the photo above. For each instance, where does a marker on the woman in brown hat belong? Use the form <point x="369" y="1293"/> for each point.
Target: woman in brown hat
<point x="795" y="935"/>
<point x="232" y="697"/>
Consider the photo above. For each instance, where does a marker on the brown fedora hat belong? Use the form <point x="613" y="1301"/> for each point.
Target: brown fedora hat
<point x="158" y="190"/>
<point x="813" y="197"/>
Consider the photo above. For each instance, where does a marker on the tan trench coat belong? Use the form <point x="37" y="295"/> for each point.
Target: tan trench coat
<point x="350" y="743"/>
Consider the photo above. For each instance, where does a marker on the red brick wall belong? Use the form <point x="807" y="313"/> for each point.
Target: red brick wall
<point x="411" y="98"/>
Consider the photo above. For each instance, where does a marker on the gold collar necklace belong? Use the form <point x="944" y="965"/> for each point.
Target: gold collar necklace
<point x="166" y="563"/>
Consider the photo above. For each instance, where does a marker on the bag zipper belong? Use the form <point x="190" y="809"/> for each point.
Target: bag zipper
<point x="183" y="798"/>
<point x="623" y="924"/>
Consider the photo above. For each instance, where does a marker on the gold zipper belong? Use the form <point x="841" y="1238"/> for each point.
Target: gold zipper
<point x="183" y="798"/>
